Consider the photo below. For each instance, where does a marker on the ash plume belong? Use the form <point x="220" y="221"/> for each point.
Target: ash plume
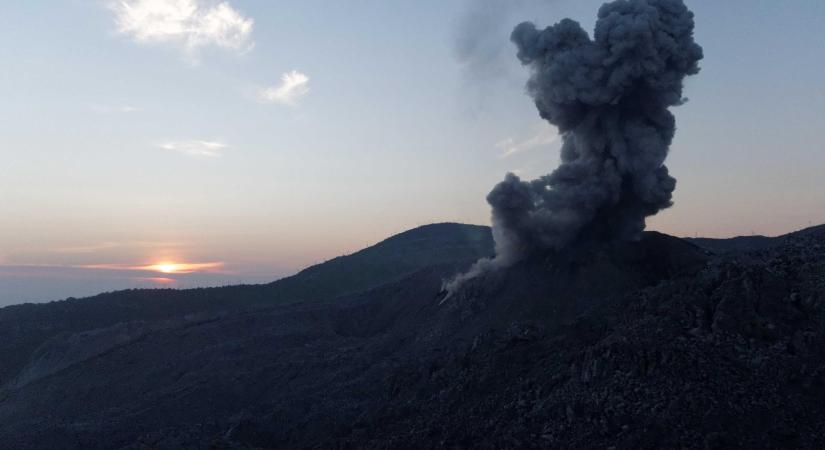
<point x="609" y="97"/>
<point x="480" y="36"/>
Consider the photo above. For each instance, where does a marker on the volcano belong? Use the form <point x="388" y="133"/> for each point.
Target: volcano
<point x="652" y="343"/>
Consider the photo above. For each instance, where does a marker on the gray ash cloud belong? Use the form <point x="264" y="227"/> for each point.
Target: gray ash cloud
<point x="609" y="96"/>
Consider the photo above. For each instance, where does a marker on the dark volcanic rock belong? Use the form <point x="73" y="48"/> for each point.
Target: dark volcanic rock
<point x="652" y="344"/>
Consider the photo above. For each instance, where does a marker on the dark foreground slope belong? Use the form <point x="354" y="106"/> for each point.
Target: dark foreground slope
<point x="23" y="328"/>
<point x="642" y="345"/>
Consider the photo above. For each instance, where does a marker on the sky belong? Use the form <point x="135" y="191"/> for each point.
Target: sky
<point x="181" y="143"/>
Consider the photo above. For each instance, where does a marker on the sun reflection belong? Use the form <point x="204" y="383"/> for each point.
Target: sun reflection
<point x="157" y="280"/>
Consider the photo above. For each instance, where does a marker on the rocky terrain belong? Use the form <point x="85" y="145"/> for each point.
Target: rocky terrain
<point x="661" y="343"/>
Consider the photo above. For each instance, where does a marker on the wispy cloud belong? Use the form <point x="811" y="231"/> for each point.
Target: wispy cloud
<point x="196" y="148"/>
<point x="157" y="280"/>
<point x="109" y="109"/>
<point x="166" y="268"/>
<point x="170" y="268"/>
<point x="92" y="252"/>
<point x="187" y="24"/>
<point x="292" y="87"/>
<point x="545" y="135"/>
<point x="111" y="245"/>
<point x="140" y="256"/>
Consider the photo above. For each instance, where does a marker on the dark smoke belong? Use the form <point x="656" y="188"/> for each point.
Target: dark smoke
<point x="609" y="96"/>
<point x="480" y="36"/>
<point x="476" y="46"/>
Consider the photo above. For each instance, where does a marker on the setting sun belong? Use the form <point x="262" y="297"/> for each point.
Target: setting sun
<point x="162" y="267"/>
<point x="172" y="267"/>
<point x="166" y="268"/>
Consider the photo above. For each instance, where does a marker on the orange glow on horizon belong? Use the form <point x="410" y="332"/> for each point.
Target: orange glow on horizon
<point x="165" y="267"/>
<point x="173" y="267"/>
<point x="158" y="280"/>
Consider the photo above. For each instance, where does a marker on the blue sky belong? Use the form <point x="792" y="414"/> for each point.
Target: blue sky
<point x="130" y="140"/>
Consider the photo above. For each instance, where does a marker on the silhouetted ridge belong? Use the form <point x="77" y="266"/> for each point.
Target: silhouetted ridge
<point x="25" y="327"/>
<point x="817" y="231"/>
<point x="391" y="259"/>
<point x="739" y="243"/>
<point x="654" y="343"/>
<point x="758" y="242"/>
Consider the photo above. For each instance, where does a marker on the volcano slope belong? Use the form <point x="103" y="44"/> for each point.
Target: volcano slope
<point x="24" y="328"/>
<point x="650" y="344"/>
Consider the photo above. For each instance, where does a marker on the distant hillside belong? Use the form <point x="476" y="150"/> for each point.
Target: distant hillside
<point x="734" y="244"/>
<point x="743" y="243"/>
<point x="24" y="327"/>
<point x="648" y="344"/>
<point x="389" y="260"/>
<point x="655" y="343"/>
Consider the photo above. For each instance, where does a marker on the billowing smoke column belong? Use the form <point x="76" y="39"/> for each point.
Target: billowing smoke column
<point x="609" y="96"/>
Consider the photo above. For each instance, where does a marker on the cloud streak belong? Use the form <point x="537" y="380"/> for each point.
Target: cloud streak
<point x="189" y="25"/>
<point x="110" y="245"/>
<point x="169" y="268"/>
<point x="293" y="86"/>
<point x="196" y="148"/>
<point x="109" y="109"/>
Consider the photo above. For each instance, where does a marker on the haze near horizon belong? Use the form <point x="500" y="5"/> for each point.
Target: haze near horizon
<point x="192" y="143"/>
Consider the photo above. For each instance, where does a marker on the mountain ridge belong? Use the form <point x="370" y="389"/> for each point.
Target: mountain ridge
<point x="634" y="345"/>
<point x="24" y="327"/>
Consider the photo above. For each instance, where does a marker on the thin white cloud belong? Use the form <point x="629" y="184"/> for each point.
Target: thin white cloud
<point x="112" y="245"/>
<point x="293" y="86"/>
<point x="196" y="148"/>
<point x="188" y="24"/>
<point x="108" y="109"/>
<point x="545" y="135"/>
